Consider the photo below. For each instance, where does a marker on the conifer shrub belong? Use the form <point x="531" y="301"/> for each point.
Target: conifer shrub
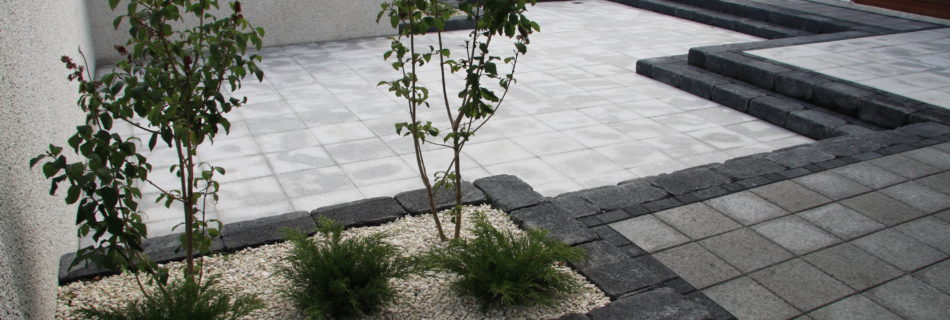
<point x="343" y="278"/>
<point x="503" y="269"/>
<point x="181" y="299"/>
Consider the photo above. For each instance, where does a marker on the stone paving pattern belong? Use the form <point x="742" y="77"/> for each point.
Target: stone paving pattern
<point x="913" y="64"/>
<point x="870" y="240"/>
<point x="852" y="227"/>
<point x="318" y="131"/>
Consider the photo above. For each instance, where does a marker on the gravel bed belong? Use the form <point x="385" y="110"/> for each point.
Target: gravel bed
<point x="425" y="296"/>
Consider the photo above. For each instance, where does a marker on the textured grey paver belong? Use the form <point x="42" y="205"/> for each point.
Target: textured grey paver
<point x="882" y="208"/>
<point x="939" y="182"/>
<point x="791" y="196"/>
<point x="697" y="265"/>
<point x="869" y="175"/>
<point x="697" y="220"/>
<point x="937" y="276"/>
<point x="912" y="299"/>
<point x="649" y="233"/>
<point x="918" y="196"/>
<point x="929" y="230"/>
<point x="747" y="299"/>
<point x="904" y="166"/>
<point x="899" y="249"/>
<point x="931" y="156"/>
<point x="801" y="284"/>
<point x="853" y="266"/>
<point x="841" y="221"/>
<point x="856" y="307"/>
<point x="746" y="207"/>
<point x="795" y="234"/>
<point x="832" y="185"/>
<point x="746" y="250"/>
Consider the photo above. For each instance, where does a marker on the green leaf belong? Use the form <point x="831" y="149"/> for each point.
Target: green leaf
<point x="113" y="4"/>
<point x="36" y="160"/>
<point x="72" y="194"/>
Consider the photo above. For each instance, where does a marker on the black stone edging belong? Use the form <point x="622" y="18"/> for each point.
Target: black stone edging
<point x="797" y="99"/>
<point x="801" y="117"/>
<point x="867" y="104"/>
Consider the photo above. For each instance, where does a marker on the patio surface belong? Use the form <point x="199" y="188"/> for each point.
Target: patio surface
<point x="867" y="240"/>
<point x="318" y="131"/>
<point x="864" y="241"/>
<point x="912" y="64"/>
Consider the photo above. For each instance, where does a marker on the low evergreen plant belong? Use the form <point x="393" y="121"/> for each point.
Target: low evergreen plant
<point x="500" y="268"/>
<point x="343" y="278"/>
<point x="181" y="299"/>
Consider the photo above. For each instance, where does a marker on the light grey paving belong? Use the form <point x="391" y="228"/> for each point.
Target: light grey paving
<point x="913" y="64"/>
<point x="937" y="276"/>
<point x="939" y="182"/>
<point x="869" y="175"/>
<point x="697" y="220"/>
<point x="697" y="265"/>
<point x="579" y="108"/>
<point x="931" y="156"/>
<point x="912" y="299"/>
<point x="882" y="208"/>
<point x="853" y="266"/>
<point x="918" y="196"/>
<point x="746" y="207"/>
<point x="801" y="284"/>
<point x="649" y="233"/>
<point x="831" y="185"/>
<point x="856" y="307"/>
<point x="929" y="230"/>
<point x="746" y="250"/>
<point x="904" y="166"/>
<point x="795" y="234"/>
<point x="841" y="221"/>
<point x="899" y="249"/>
<point x="791" y="196"/>
<point x="747" y="299"/>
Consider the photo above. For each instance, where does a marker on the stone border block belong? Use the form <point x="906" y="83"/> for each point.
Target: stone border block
<point x="417" y="201"/>
<point x="797" y="157"/>
<point x="773" y="109"/>
<point x="814" y="124"/>
<point x="688" y="180"/>
<point x="508" y="193"/>
<point x="748" y="167"/>
<point x="736" y="95"/>
<point x="367" y="212"/>
<point x="265" y="230"/>
<point x="559" y="223"/>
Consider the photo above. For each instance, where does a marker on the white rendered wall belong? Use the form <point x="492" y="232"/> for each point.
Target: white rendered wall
<point x="284" y="21"/>
<point x="37" y="107"/>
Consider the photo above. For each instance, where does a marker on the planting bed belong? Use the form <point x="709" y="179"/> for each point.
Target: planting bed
<point x="428" y="295"/>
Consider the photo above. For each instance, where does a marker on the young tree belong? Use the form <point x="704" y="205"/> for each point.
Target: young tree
<point x="171" y="85"/>
<point x="478" y="102"/>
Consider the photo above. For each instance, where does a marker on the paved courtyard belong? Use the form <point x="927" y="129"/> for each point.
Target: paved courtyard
<point x="912" y="64"/>
<point x="864" y="241"/>
<point x="849" y="228"/>
<point x="318" y="131"/>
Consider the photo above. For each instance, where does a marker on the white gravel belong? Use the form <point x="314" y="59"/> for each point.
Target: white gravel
<point x="426" y="296"/>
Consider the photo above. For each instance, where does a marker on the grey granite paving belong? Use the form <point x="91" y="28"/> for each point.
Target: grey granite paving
<point x="857" y="242"/>
<point x="319" y="131"/>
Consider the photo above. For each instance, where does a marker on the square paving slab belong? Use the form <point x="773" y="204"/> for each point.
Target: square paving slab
<point x="579" y="116"/>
